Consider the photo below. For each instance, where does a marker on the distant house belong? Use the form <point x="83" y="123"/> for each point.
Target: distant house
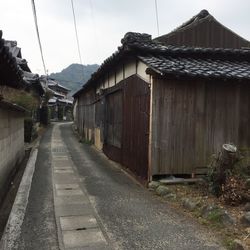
<point x="60" y="105"/>
<point x="33" y="85"/>
<point x="11" y="117"/>
<point x="162" y="109"/>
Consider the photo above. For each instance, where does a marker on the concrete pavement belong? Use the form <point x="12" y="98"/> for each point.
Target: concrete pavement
<point x="37" y="228"/>
<point x="80" y="200"/>
<point x="132" y="217"/>
<point x="76" y="222"/>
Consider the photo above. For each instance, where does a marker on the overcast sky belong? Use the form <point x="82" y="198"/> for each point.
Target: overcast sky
<point x="102" y="24"/>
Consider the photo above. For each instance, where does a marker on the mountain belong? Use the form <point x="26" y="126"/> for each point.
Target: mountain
<point x="74" y="76"/>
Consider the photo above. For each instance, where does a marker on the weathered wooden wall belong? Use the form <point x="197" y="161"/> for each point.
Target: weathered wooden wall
<point x="127" y="120"/>
<point x="85" y="115"/>
<point x="135" y="136"/>
<point x="118" y="123"/>
<point x="113" y="118"/>
<point x="192" y="119"/>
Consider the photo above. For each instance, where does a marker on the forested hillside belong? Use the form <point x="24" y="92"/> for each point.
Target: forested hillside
<point x="75" y="75"/>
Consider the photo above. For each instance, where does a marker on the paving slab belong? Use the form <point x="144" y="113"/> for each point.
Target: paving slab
<point x="59" y="154"/>
<point x="64" y="171"/>
<point x="76" y="222"/>
<point x="59" y="157"/>
<point x="64" y="178"/>
<point x="63" y="192"/>
<point x="96" y="246"/>
<point x="61" y="163"/>
<point x="76" y="199"/>
<point x="73" y="209"/>
<point x="65" y="186"/>
<point x="63" y="168"/>
<point x="82" y="238"/>
<point x="75" y="216"/>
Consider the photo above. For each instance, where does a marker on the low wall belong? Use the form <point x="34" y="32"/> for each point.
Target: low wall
<point x="11" y="144"/>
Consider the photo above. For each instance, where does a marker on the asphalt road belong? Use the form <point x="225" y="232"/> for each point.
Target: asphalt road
<point x="131" y="216"/>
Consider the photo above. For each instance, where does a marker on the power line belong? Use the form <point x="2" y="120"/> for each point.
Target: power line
<point x="157" y="18"/>
<point x="77" y="39"/>
<point x="37" y="32"/>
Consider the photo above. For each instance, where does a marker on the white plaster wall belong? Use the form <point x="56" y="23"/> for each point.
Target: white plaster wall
<point x="130" y="68"/>
<point x="112" y="79"/>
<point x="141" y="71"/>
<point x="11" y="142"/>
<point x="106" y="82"/>
<point x="119" y="74"/>
<point x="75" y="108"/>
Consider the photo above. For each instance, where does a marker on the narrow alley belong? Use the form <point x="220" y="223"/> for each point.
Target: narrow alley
<point x="96" y="205"/>
<point x="124" y="125"/>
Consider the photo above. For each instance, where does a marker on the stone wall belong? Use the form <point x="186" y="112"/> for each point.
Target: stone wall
<point x="11" y="144"/>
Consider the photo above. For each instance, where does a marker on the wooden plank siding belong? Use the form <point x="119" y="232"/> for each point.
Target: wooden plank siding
<point x="132" y="152"/>
<point x="86" y="116"/>
<point x="118" y="121"/>
<point x="192" y="119"/>
<point x="135" y="135"/>
<point x="113" y="119"/>
<point x="208" y="33"/>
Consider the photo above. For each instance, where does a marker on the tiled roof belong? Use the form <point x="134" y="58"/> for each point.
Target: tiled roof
<point x="12" y="106"/>
<point x="14" y="50"/>
<point x="204" y="68"/>
<point x="53" y="83"/>
<point x="178" y="61"/>
<point x="56" y="94"/>
<point x="10" y="72"/>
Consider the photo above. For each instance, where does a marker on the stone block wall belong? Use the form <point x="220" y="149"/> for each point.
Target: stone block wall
<point x="11" y="144"/>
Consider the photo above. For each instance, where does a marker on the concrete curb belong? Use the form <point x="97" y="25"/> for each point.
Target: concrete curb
<point x="13" y="227"/>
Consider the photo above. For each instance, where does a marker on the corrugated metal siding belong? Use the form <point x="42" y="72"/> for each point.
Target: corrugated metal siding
<point x="207" y="33"/>
<point x="191" y="120"/>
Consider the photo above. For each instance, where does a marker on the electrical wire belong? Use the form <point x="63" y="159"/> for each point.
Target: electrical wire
<point x="77" y="39"/>
<point x="157" y="18"/>
<point x="38" y="36"/>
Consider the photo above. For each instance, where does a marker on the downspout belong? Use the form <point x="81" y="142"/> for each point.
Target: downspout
<point x="150" y="130"/>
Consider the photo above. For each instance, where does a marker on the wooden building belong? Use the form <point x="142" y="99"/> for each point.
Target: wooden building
<point x="203" y="30"/>
<point x="163" y="109"/>
<point x="59" y="104"/>
<point x="11" y="118"/>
